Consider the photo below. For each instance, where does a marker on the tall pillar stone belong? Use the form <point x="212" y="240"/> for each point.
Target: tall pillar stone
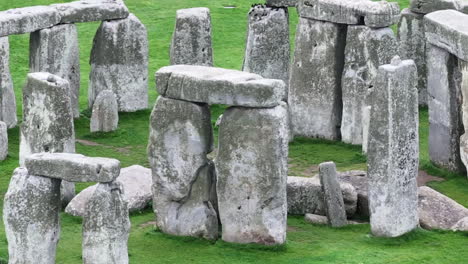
<point x="366" y="49"/>
<point x="463" y="66"/>
<point x="31" y="216"/>
<point x="393" y="150"/>
<point x="7" y="94"/>
<point x="180" y="139"/>
<point x="251" y="168"/>
<point x="191" y="41"/>
<point x="119" y="62"/>
<point x="315" y="82"/>
<point x="3" y="141"/>
<point x="55" y="50"/>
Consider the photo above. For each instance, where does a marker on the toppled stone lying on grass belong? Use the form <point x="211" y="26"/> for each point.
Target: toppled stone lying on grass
<point x="7" y="94"/>
<point x="105" y="115"/>
<point x="73" y="167"/>
<point x="332" y="196"/>
<point x="323" y="220"/>
<point x="91" y="10"/>
<point x="461" y="225"/>
<point x="3" y="141"/>
<point x="27" y="19"/>
<point x="281" y="3"/>
<point x="358" y="179"/>
<point x="429" y="6"/>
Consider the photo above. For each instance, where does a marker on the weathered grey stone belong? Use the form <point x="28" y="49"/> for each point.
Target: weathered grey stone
<point x="27" y="19"/>
<point x="437" y="211"/>
<point x="461" y="225"/>
<point x="447" y="29"/>
<point x="31" y="216"/>
<point x="47" y="116"/>
<point x="105" y="115"/>
<point x="464" y="7"/>
<point x="366" y="110"/>
<point x="106" y="226"/>
<point x="73" y="167"/>
<point x="315" y="82"/>
<point x="281" y="3"/>
<point x="251" y="169"/>
<point x="333" y="199"/>
<point x="7" y="94"/>
<point x="191" y="41"/>
<point x="55" y="50"/>
<point x="351" y="12"/>
<point x="366" y="49"/>
<point x="394" y="150"/>
<point x="358" y="179"/>
<point x="212" y="85"/>
<point x="67" y="192"/>
<point x="3" y="141"/>
<point x="119" y="62"/>
<point x="412" y="45"/>
<point x="136" y="183"/>
<point x="267" y="51"/>
<point x="180" y="138"/>
<point x="429" y="6"/>
<point x="316" y="219"/>
<point x="91" y="10"/>
<point x="305" y="195"/>
<point x="463" y="69"/>
<point x="445" y="100"/>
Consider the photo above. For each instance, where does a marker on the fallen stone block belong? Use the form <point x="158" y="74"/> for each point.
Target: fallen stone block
<point x="3" y="141"/>
<point x="7" y="94"/>
<point x="27" y="19"/>
<point x="281" y="3"/>
<point x="429" y="6"/>
<point x="316" y="219"/>
<point x="358" y="179"/>
<point x="333" y="199"/>
<point x="91" y="10"/>
<point x="105" y="115"/>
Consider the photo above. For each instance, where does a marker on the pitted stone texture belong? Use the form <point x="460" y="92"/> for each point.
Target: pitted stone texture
<point x="445" y="101"/>
<point x="3" y="141"/>
<point x="394" y="150"/>
<point x="31" y="216"/>
<point x="315" y="83"/>
<point x="267" y="51"/>
<point x="55" y="50"/>
<point x="180" y="139"/>
<point x="27" y="19"/>
<point x="105" y="116"/>
<point x="119" y="62"/>
<point x="47" y="116"/>
<point x="461" y="225"/>
<point x="366" y="49"/>
<point x="305" y="195"/>
<point x="351" y="12"/>
<point x="412" y="45"/>
<point x="358" y="179"/>
<point x="463" y="68"/>
<point x="219" y="86"/>
<point x="73" y="167"/>
<point x="333" y="199"/>
<point x="447" y="29"/>
<point x="429" y="6"/>
<point x="191" y="41"/>
<point x="281" y="3"/>
<point x="91" y="10"/>
<point x="251" y="169"/>
<point x="7" y="94"/>
<point x="106" y="226"/>
<point x="437" y="211"/>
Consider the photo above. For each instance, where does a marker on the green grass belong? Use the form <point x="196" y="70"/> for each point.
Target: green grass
<point x="306" y="243"/>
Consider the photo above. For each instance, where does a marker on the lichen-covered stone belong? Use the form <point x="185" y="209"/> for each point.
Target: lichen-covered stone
<point x="251" y="169"/>
<point x="267" y="51"/>
<point x="212" y="85"/>
<point x="191" y="41"/>
<point x="119" y="62"/>
<point x="91" y="10"/>
<point x="429" y="6"/>
<point x="366" y="49"/>
<point x="183" y="180"/>
<point x="393" y="150"/>
<point x="7" y="94"/>
<point x="3" y="141"/>
<point x="281" y="3"/>
<point x="315" y="82"/>
<point x="31" y="217"/>
<point x="333" y="199"/>
<point x="55" y="50"/>
<point x="27" y="19"/>
<point x="106" y="226"/>
<point x="105" y="115"/>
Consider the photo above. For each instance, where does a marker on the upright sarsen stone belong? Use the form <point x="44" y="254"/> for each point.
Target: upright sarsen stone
<point x="251" y="169"/>
<point x="191" y="41"/>
<point x="119" y="62"/>
<point x="463" y="69"/>
<point x="7" y="94"/>
<point x="3" y="141"/>
<point x="393" y="150"/>
<point x="55" y="50"/>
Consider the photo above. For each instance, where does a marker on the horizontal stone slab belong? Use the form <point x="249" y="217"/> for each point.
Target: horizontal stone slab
<point x="281" y="3"/>
<point x="448" y="30"/>
<point x="351" y="12"/>
<point x="212" y="85"/>
<point x="73" y="167"/>
<point x="27" y="19"/>
<point x="91" y="10"/>
<point x="429" y="6"/>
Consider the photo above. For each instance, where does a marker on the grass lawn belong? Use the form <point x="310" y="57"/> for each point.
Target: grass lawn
<point x="306" y="243"/>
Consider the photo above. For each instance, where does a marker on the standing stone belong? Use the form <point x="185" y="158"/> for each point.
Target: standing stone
<point x="366" y="112"/>
<point x="105" y="116"/>
<point x="31" y="216"/>
<point x="180" y="139"/>
<point x="55" y="50"/>
<point x="463" y="67"/>
<point x="106" y="226"/>
<point x="334" y="204"/>
<point x="315" y="83"/>
<point x="251" y="168"/>
<point x="445" y="100"/>
<point x="3" y="141"/>
<point x="366" y="49"/>
<point x="412" y="45"/>
<point x="119" y="62"/>
<point x="393" y="150"/>
<point x="267" y="52"/>
<point x="7" y="94"/>
<point x="191" y="41"/>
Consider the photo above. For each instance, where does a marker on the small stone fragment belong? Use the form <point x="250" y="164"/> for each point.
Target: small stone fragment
<point x="91" y="10"/>
<point x="7" y="94"/>
<point x="27" y="19"/>
<point x="333" y="199"/>
<point x="316" y="219"/>
<point x="105" y="116"/>
<point x="3" y="141"/>
<point x="429" y="6"/>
